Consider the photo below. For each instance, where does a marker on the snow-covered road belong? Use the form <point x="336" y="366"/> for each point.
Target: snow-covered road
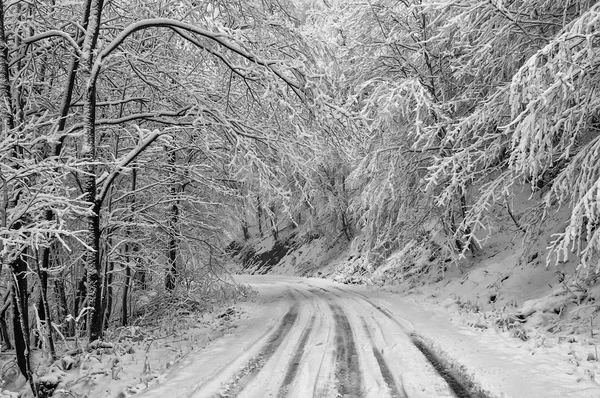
<point x="314" y="338"/>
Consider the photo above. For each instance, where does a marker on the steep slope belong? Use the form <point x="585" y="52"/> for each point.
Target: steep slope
<point x="507" y="286"/>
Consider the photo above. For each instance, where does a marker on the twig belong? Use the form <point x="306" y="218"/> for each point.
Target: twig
<point x="510" y="213"/>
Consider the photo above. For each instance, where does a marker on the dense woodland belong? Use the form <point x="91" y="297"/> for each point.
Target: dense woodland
<point x="139" y="138"/>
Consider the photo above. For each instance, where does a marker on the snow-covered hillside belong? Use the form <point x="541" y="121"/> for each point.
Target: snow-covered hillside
<point x="506" y="293"/>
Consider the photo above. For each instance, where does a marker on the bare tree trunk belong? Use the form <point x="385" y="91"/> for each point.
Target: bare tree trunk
<point x="6" y="302"/>
<point x="44" y="308"/>
<point x="79" y="300"/>
<point x="6" y="102"/>
<point x="274" y="226"/>
<point x="107" y="297"/>
<point x="173" y="247"/>
<point x="92" y="235"/>
<point x="125" y="298"/>
<point x="245" y="230"/>
<point x="130" y="249"/>
<point x="259" y="212"/>
<point x="61" y="296"/>
<point x="463" y="209"/>
<point x="21" y="319"/>
<point x="173" y="227"/>
<point x="18" y="265"/>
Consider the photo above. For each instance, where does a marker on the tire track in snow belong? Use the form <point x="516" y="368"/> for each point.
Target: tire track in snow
<point x="294" y="364"/>
<point x="459" y="383"/>
<point x="245" y="375"/>
<point x="347" y="370"/>
<point x="324" y="383"/>
<point x="386" y="373"/>
<point x="384" y="311"/>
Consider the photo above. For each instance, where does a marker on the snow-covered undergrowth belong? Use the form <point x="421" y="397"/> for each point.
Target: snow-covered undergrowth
<point x="131" y="358"/>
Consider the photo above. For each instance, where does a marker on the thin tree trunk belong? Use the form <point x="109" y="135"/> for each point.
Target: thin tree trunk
<point x="173" y="246"/>
<point x="4" y="334"/>
<point x="6" y="101"/>
<point x="21" y="319"/>
<point x="245" y="230"/>
<point x="18" y="266"/>
<point x="6" y="302"/>
<point x="92" y="235"/>
<point x="130" y="254"/>
<point x="259" y="212"/>
<point x="125" y="298"/>
<point x="274" y="226"/>
<point x="61" y="296"/>
<point x="44" y="308"/>
<point x="68" y="91"/>
<point x="107" y="297"/>
<point x="79" y="300"/>
<point x="173" y="225"/>
<point x="463" y="209"/>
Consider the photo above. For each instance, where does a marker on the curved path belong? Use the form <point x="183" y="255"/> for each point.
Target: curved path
<point x="309" y="338"/>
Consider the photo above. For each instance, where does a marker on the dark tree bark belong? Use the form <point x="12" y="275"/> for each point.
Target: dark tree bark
<point x="259" y="212"/>
<point x="273" y="220"/>
<point x="18" y="266"/>
<point x="92" y="235"/>
<point x="61" y="297"/>
<point x="43" y="307"/>
<point x="79" y="300"/>
<point x="245" y="230"/>
<point x="173" y="228"/>
<point x="107" y="297"/>
<point x="130" y="250"/>
<point x="125" y="298"/>
<point x="21" y="319"/>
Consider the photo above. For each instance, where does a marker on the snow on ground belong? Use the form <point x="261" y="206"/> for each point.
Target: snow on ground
<point x="501" y="318"/>
<point x="132" y="359"/>
<point x="503" y="366"/>
<point x="516" y="320"/>
<point x="500" y="363"/>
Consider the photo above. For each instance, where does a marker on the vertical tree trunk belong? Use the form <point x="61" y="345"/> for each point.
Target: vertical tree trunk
<point x="107" y="297"/>
<point x="6" y="102"/>
<point x="173" y="227"/>
<point x="125" y="298"/>
<point x="173" y="247"/>
<point x="274" y="226"/>
<point x="79" y="300"/>
<point x="4" y="333"/>
<point x="130" y="250"/>
<point x="21" y="319"/>
<point x="463" y="209"/>
<point x="259" y="212"/>
<point x="245" y="230"/>
<point x="18" y="265"/>
<point x="43" y="306"/>
<point x="61" y="297"/>
<point x="6" y="302"/>
<point x="92" y="235"/>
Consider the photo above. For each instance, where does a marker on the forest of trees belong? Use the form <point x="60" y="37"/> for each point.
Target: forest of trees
<point x="138" y="138"/>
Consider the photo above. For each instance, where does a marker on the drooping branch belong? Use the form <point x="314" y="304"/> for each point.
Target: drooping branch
<point x="130" y="118"/>
<point x="53" y="33"/>
<point x="219" y="38"/>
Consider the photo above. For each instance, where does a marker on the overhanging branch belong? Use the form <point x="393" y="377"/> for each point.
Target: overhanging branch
<point x="174" y="24"/>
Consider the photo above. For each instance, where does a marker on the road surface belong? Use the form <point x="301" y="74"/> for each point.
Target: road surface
<point x="310" y="338"/>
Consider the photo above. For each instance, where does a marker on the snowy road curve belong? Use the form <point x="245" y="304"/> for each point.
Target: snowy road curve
<point x="311" y="339"/>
